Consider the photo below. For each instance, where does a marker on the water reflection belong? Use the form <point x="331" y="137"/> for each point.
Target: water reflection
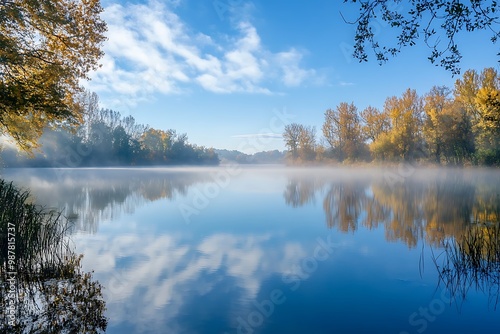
<point x="472" y="262"/>
<point x="456" y="212"/>
<point x="432" y="205"/>
<point x="43" y="286"/>
<point x="89" y="196"/>
<point x="301" y="190"/>
<point x="259" y="232"/>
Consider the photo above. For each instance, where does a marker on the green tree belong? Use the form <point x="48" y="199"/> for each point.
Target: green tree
<point x="436" y="21"/>
<point x="46" y="48"/>
<point x="122" y="150"/>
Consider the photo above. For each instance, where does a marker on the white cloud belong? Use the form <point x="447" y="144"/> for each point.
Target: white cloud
<point x="292" y="74"/>
<point x="150" y="49"/>
<point x="161" y="270"/>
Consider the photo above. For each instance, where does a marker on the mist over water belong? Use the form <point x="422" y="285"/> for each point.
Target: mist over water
<point x="266" y="249"/>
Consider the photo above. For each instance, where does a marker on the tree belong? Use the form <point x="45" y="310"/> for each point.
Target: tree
<point x="301" y="141"/>
<point x="458" y="137"/>
<point x="437" y="102"/>
<point x="46" y="48"/>
<point x="307" y="143"/>
<point x="437" y="21"/>
<point x="406" y="124"/>
<point x="447" y="129"/>
<point x="479" y="96"/>
<point x="331" y="129"/>
<point x="291" y="135"/>
<point x="89" y="104"/>
<point x="375" y="123"/>
<point x="342" y="131"/>
<point x="156" y="143"/>
<point x="122" y="150"/>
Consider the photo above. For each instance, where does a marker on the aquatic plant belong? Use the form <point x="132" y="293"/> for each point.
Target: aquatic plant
<point x="44" y="288"/>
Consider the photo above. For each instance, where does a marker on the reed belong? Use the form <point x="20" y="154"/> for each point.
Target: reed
<point x="53" y="294"/>
<point x="472" y="261"/>
<point x="40" y="238"/>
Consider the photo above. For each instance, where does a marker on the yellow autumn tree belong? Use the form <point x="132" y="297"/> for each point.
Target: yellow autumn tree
<point x="46" y="48"/>
<point x="479" y="94"/>
<point x="404" y="138"/>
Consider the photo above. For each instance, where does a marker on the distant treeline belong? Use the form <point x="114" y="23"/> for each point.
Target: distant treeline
<point x="106" y="138"/>
<point x="265" y="157"/>
<point x="454" y="127"/>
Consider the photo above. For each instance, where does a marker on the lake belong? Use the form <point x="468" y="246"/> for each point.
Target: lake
<point x="268" y="249"/>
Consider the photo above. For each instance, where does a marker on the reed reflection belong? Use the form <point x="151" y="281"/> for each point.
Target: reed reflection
<point x="44" y="288"/>
<point x="457" y="213"/>
<point x="471" y="262"/>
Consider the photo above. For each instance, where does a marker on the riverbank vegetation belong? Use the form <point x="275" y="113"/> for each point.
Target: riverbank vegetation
<point x="106" y="138"/>
<point x="44" y="288"/>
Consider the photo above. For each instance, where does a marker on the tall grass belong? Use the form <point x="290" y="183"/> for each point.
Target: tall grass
<point x="40" y="235"/>
<point x="53" y="293"/>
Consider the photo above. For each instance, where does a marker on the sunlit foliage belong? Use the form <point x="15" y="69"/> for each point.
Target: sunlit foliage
<point x="46" y="48"/>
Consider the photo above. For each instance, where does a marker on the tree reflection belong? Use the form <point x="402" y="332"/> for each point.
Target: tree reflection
<point x="343" y="205"/>
<point x="456" y="212"/>
<point x="431" y="206"/>
<point x="300" y="191"/>
<point x="44" y="288"/>
<point x="104" y="194"/>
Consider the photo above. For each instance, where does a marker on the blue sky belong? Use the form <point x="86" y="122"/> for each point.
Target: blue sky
<point x="232" y="73"/>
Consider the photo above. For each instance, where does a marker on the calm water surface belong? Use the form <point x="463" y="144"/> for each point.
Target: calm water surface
<point x="275" y="250"/>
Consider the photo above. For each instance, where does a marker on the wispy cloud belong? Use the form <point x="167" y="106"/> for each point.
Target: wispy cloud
<point x="151" y="50"/>
<point x="345" y="84"/>
<point x="292" y="74"/>
<point x="169" y="267"/>
<point x="259" y="135"/>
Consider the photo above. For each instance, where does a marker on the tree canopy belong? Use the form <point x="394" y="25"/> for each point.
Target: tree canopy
<point x="437" y="22"/>
<point x="46" y="48"/>
<point x="450" y="126"/>
<point x="106" y="138"/>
